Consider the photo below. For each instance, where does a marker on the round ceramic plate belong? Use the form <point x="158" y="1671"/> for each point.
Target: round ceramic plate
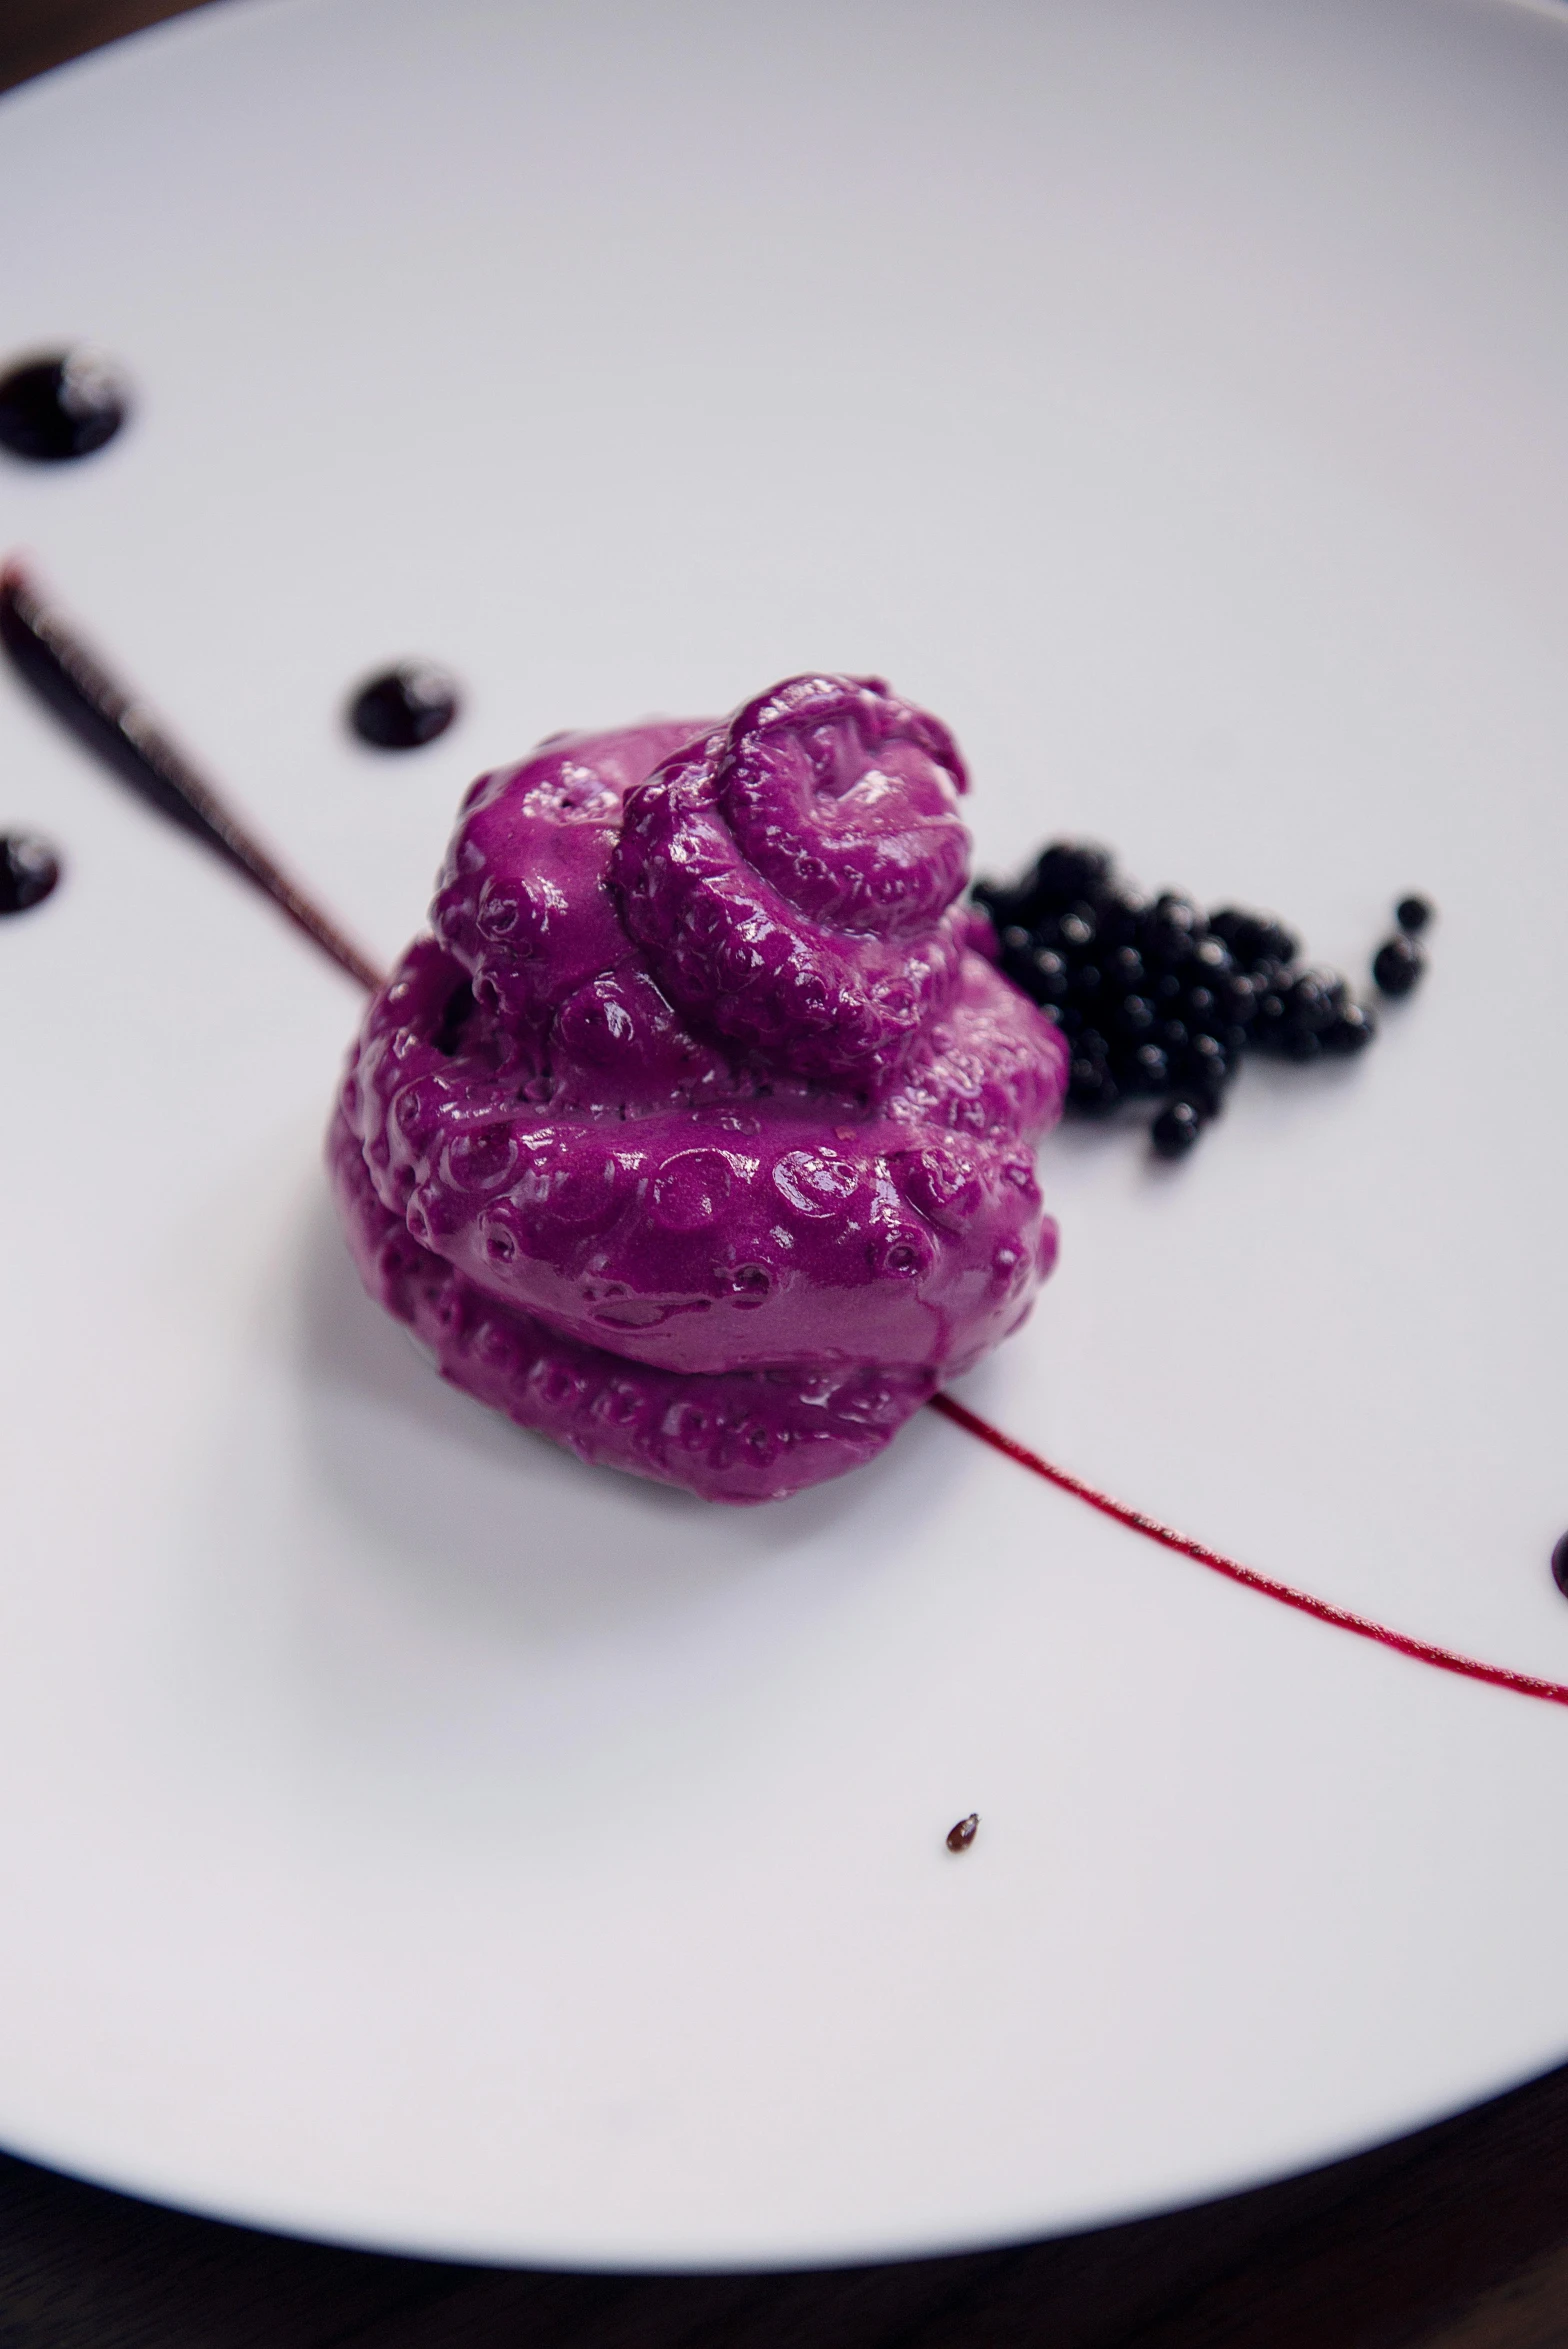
<point x="411" y="1836"/>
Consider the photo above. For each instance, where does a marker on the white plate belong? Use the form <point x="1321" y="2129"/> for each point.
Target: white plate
<point x="410" y="1836"/>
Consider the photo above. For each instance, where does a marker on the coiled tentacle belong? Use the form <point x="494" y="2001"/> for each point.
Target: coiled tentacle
<point x="554" y="1129"/>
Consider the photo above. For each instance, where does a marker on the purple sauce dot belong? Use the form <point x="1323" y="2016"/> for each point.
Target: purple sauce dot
<point x="404" y="707"/>
<point x="29" y="871"/>
<point x="61" y="405"/>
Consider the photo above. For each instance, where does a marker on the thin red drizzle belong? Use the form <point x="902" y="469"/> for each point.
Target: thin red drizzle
<point x="1550" y="1692"/>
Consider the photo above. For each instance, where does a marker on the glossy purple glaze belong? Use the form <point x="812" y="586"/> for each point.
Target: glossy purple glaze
<point x="698" y="1134"/>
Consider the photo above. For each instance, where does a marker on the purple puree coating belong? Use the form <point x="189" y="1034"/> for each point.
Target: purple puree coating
<point x="698" y="1134"/>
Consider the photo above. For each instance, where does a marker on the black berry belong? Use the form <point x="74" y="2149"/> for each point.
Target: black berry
<point x="1413" y="914"/>
<point x="1203" y="1069"/>
<point x="1091" y="1088"/>
<point x="1068" y="871"/>
<point x="404" y="707"/>
<point x="1352" y="1030"/>
<point x="1308" y="1005"/>
<point x="1237" y="998"/>
<point x="1049" y="979"/>
<point x="29" y="870"/>
<point x="1176" y="1128"/>
<point x="1001" y="904"/>
<point x="1560" y="1565"/>
<point x="1144" y="1069"/>
<point x="1397" y="965"/>
<point x="60" y="406"/>
<point x="1168" y="932"/>
<point x="1254" y="939"/>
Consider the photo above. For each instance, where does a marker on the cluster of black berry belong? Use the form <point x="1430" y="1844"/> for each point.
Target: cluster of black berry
<point x="1160" y="1001"/>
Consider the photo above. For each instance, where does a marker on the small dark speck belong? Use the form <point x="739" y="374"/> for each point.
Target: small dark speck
<point x="959" y="1838"/>
<point x="1560" y="1565"/>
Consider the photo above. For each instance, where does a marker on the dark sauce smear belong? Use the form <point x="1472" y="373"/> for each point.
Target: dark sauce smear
<point x="1160" y="1000"/>
<point x="959" y="1838"/>
<point x="61" y="668"/>
<point x="1560" y="1565"/>
<point x="29" y="871"/>
<point x="404" y="707"/>
<point x="61" y="405"/>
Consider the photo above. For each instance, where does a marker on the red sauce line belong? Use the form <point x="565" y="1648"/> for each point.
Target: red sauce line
<point x="1550" y="1692"/>
<point x="56" y="661"/>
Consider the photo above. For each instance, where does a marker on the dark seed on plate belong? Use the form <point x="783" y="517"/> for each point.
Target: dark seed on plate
<point x="1313" y="1001"/>
<point x="404" y="707"/>
<point x="1173" y="907"/>
<point x="1169" y="932"/>
<point x="1119" y="916"/>
<point x="961" y="1836"/>
<point x="1092" y="1089"/>
<point x="1205" y="1061"/>
<point x="61" y="405"/>
<point x="29" y="870"/>
<point x="1146" y="1069"/>
<point x="1560" y="1565"/>
<point x="1177" y="1127"/>
<point x="1237" y="996"/>
<point x="1048" y="979"/>
<point x="1397" y="965"/>
<point x="1412" y="914"/>
<point x="1253" y="939"/>
<point x="1070" y="870"/>
<point x="1352" y="1031"/>
<point x="1270" y="1020"/>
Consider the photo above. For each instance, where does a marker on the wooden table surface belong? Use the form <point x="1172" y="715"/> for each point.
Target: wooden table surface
<point x="1453" y="2239"/>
